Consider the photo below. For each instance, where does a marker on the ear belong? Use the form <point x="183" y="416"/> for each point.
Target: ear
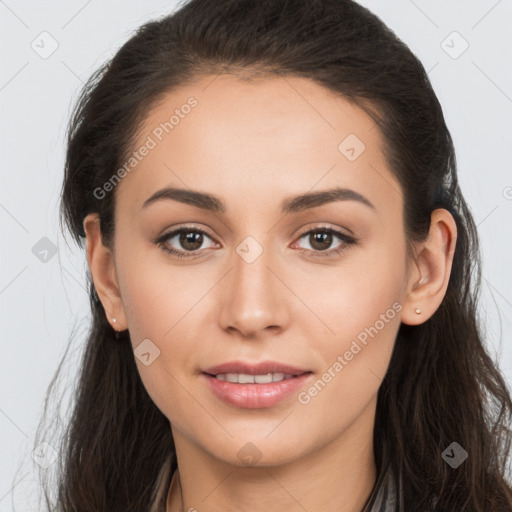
<point x="428" y="282"/>
<point x="103" y="272"/>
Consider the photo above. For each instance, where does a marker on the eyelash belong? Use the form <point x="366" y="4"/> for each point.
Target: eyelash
<point x="347" y="242"/>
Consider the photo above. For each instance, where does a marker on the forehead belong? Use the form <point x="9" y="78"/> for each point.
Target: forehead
<point x="258" y="138"/>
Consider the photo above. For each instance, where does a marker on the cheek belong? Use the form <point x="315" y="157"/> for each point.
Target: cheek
<point x="363" y="292"/>
<point x="163" y="305"/>
<point x="157" y="318"/>
<point x="157" y="295"/>
<point x="355" y="363"/>
<point x="359" y="311"/>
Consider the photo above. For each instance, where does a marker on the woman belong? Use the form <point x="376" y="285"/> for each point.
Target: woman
<point x="283" y="274"/>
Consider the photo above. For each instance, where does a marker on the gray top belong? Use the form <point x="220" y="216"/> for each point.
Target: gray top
<point x="385" y="500"/>
<point x="388" y="495"/>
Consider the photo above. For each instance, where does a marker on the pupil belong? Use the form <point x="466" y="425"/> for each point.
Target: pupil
<point x="324" y="238"/>
<point x="191" y="240"/>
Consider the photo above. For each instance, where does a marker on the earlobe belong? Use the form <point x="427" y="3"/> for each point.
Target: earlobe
<point x="433" y="263"/>
<point x="102" y="268"/>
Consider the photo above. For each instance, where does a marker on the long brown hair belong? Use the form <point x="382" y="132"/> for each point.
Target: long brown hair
<point x="441" y="386"/>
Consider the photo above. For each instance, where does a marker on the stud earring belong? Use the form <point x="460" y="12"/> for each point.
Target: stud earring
<point x="117" y="333"/>
<point x="418" y="311"/>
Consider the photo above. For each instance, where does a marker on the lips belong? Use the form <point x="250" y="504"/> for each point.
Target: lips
<point x="247" y="385"/>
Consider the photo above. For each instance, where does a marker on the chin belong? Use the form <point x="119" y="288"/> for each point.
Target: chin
<point x="259" y="452"/>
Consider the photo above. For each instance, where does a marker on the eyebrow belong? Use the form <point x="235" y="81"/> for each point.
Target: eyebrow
<point x="293" y="204"/>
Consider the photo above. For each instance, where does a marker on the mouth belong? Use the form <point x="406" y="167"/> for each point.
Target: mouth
<point x="253" y="386"/>
<point x="254" y="373"/>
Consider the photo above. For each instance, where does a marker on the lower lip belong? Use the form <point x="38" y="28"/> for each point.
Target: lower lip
<point x="255" y="396"/>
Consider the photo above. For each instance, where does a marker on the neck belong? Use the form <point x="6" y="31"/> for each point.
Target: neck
<point x="336" y="477"/>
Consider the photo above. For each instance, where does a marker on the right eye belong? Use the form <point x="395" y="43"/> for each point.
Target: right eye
<point x="191" y="239"/>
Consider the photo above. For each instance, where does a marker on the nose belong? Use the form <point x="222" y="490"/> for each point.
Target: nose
<point x="253" y="299"/>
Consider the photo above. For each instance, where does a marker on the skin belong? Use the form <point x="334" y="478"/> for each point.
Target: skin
<point x="255" y="144"/>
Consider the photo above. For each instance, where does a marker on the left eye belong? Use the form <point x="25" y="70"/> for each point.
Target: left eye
<point x="320" y="240"/>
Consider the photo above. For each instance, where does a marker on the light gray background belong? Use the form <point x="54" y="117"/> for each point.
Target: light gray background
<point x="42" y="301"/>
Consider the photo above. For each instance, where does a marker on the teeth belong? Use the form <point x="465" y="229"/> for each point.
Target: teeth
<point x="263" y="379"/>
<point x="244" y="378"/>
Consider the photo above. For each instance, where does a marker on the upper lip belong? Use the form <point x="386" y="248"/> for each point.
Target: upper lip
<point x="254" y="368"/>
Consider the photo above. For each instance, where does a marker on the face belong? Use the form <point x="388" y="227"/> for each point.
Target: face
<point x="254" y="274"/>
